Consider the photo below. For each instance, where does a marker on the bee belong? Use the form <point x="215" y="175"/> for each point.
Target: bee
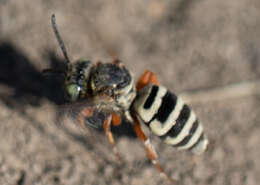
<point x="109" y="96"/>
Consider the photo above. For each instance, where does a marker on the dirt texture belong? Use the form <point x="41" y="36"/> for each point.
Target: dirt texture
<point x="190" y="45"/>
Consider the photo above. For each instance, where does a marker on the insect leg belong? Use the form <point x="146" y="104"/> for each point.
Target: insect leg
<point x="107" y="129"/>
<point x="116" y="120"/>
<point x="86" y="112"/>
<point x="150" y="151"/>
<point x="148" y="77"/>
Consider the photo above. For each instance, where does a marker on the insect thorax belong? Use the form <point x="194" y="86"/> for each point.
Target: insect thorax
<point x="85" y="80"/>
<point x="114" y="81"/>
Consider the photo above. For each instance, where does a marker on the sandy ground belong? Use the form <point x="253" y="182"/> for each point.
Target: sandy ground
<point x="191" y="45"/>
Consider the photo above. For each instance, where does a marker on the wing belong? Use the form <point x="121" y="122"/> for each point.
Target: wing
<point x="85" y="113"/>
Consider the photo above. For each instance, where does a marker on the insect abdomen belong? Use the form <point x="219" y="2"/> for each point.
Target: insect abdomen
<point x="169" y="118"/>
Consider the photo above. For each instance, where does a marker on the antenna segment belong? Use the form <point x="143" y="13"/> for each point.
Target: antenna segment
<point x="59" y="39"/>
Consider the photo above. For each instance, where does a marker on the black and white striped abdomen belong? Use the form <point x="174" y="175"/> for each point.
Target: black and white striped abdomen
<point x="168" y="117"/>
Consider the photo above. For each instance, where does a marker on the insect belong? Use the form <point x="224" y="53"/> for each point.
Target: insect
<point x="109" y="96"/>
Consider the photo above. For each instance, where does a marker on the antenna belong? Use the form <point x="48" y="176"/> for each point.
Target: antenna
<point x="59" y="39"/>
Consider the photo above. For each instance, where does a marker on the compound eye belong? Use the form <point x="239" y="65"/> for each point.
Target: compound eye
<point x="72" y="92"/>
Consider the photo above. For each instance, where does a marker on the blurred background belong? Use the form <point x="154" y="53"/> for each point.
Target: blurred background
<point x="190" y="45"/>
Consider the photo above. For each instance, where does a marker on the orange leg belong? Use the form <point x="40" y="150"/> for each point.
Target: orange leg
<point x="107" y="129"/>
<point x="113" y="118"/>
<point x="86" y="112"/>
<point x="147" y="78"/>
<point x="116" y="119"/>
<point x="150" y="151"/>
